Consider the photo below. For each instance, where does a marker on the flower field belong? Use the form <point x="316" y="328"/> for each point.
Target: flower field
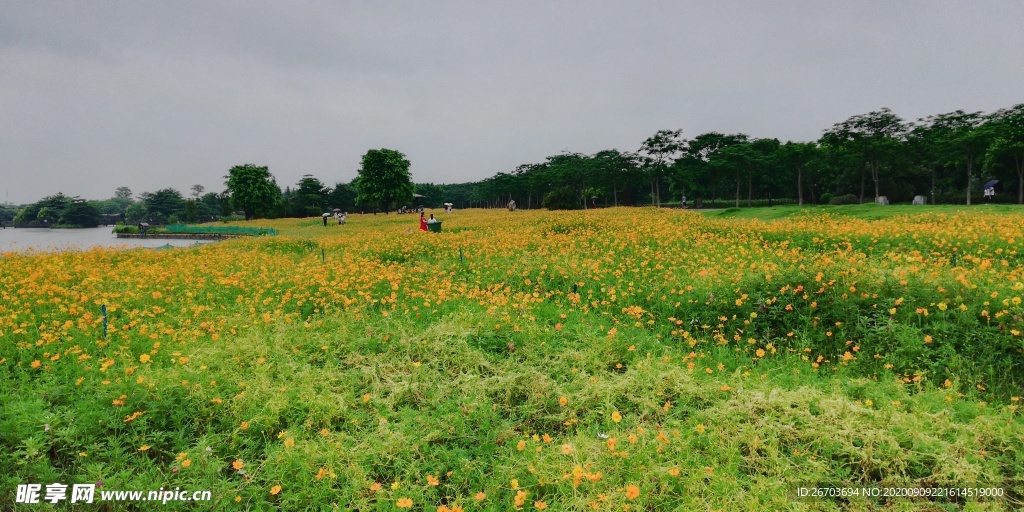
<point x="616" y="359"/>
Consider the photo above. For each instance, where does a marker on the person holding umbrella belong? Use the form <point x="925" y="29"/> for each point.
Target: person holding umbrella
<point x="325" y="218"/>
<point x="990" y="190"/>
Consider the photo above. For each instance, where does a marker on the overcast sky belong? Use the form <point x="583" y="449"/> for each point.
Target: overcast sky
<point x="146" y="94"/>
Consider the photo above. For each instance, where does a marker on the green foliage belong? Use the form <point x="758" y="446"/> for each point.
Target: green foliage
<point x="121" y="227"/>
<point x="826" y="198"/>
<point x="252" y="189"/>
<point x="162" y="205"/>
<point x="80" y="214"/>
<point x="384" y="178"/>
<point x="564" y="198"/>
<point x="844" y="199"/>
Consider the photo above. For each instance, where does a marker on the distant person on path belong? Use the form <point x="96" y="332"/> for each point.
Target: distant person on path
<point x="325" y="221"/>
<point x="989" y="193"/>
<point x="684" y="202"/>
<point x="423" y="222"/>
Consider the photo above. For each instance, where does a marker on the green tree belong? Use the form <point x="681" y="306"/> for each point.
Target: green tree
<point x="1007" y="149"/>
<point x="960" y="138"/>
<point x="384" y="178"/>
<point x="163" y="204"/>
<point x="310" y="197"/>
<point x="657" y="152"/>
<point x="875" y="137"/>
<point x="252" y="189"/>
<point x="80" y="213"/>
<point x="798" y="156"/>
<point x="343" y="197"/>
<point x="54" y="204"/>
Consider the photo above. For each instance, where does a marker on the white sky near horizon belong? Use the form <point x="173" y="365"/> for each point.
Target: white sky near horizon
<point x="97" y="95"/>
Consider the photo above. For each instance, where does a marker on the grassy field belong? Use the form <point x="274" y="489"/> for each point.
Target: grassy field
<point x="615" y="359"/>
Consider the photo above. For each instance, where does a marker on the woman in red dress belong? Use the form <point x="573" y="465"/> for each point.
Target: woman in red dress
<point x="423" y="222"/>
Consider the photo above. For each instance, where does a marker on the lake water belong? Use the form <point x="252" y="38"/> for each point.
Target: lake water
<point x="44" y="239"/>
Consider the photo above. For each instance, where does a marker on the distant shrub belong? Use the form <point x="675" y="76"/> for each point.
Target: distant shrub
<point x="121" y="227"/>
<point x="231" y="218"/>
<point x="561" y="199"/>
<point x="845" y="199"/>
<point x="826" y="198"/>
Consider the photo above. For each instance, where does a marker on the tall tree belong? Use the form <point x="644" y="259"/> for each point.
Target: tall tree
<point x="163" y="204"/>
<point x="384" y="178"/>
<point x="798" y="156"/>
<point x="197" y="191"/>
<point x="959" y="137"/>
<point x="697" y="163"/>
<point x="253" y="189"/>
<point x="123" y="193"/>
<point x="658" y="151"/>
<point x="1007" y="148"/>
<point x="875" y="137"/>
<point x="309" y="197"/>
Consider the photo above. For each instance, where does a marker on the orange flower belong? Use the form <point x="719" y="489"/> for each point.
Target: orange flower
<point x="404" y="503"/>
<point x="540" y="505"/>
<point x="432" y="480"/>
<point x="632" y="491"/>
<point x="480" y="496"/>
<point x="375" y="487"/>
<point x="275" y="490"/>
<point x="237" y="464"/>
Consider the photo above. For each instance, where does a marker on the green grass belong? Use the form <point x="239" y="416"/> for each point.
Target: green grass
<point x="868" y="211"/>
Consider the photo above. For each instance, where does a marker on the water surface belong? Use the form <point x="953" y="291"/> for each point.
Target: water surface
<point x="45" y="239"/>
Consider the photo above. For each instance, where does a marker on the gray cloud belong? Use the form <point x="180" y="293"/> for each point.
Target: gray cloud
<point x="145" y="94"/>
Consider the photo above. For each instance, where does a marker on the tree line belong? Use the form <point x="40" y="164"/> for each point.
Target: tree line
<point x="946" y="158"/>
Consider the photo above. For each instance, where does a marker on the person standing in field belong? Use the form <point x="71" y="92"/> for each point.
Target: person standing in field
<point x="423" y="222"/>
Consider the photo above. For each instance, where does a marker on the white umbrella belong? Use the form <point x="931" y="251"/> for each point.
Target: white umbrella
<point x="449" y="204"/>
<point x="326" y="215"/>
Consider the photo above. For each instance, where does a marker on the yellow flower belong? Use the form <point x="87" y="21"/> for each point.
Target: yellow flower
<point x="616" y="417"/>
<point x="521" y="445"/>
<point x="143" y="447"/>
<point x="186" y="463"/>
<point x="563" y="401"/>
<point x="144" y="358"/>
